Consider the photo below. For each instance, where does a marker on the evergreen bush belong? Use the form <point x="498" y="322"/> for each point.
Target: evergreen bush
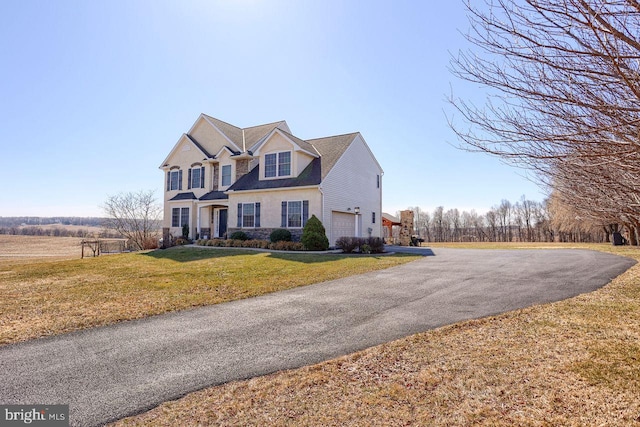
<point x="280" y="235"/>
<point x="239" y="235"/>
<point x="314" y="235"/>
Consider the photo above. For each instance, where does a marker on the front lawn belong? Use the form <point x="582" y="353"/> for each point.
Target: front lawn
<point x="47" y="298"/>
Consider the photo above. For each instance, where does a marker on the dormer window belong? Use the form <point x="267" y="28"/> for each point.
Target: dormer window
<point x="277" y="164"/>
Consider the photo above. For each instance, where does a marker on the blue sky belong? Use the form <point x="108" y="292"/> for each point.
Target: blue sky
<point x="94" y="94"/>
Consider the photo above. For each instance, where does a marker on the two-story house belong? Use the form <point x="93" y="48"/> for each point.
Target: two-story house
<point x="220" y="178"/>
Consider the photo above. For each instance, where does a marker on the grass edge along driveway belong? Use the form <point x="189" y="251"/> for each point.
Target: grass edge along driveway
<point x="47" y="298"/>
<point x="573" y="362"/>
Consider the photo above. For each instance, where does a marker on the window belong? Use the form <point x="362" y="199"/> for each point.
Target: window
<point x="277" y="164"/>
<point x="284" y="163"/>
<point x="226" y="175"/>
<point x="294" y="214"/>
<point x="378" y="181"/>
<point x="270" y="165"/>
<point x="184" y="217"/>
<point x="248" y="215"/>
<point x="175" y="217"/>
<point x="174" y="180"/>
<point x="373" y="217"/>
<point x="179" y="217"/>
<point x="196" y="177"/>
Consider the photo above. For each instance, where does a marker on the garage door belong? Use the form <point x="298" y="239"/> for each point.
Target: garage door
<point x="342" y="224"/>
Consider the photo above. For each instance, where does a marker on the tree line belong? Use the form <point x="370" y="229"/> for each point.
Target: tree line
<point x="562" y="99"/>
<point x="521" y="221"/>
<point x="15" y="221"/>
<point x="56" y="231"/>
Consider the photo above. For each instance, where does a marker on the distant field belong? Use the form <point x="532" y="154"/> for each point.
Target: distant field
<point x="24" y="248"/>
<point x="73" y="228"/>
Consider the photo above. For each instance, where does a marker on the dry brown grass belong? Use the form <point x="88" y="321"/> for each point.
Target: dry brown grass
<point x="20" y="249"/>
<point x="45" y="297"/>
<point x="570" y="363"/>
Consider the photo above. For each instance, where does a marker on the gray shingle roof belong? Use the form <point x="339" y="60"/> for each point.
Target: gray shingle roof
<point x="309" y="176"/>
<point x="232" y="132"/>
<point x="184" y="196"/>
<point x="331" y="149"/>
<point x="215" y="195"/>
<point x="301" y="143"/>
<point x="251" y="134"/>
<point x="254" y="134"/>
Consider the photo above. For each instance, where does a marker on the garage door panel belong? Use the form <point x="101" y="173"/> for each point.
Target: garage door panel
<point x="342" y="224"/>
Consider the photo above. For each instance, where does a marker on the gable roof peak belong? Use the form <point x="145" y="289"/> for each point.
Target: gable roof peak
<point x="244" y="138"/>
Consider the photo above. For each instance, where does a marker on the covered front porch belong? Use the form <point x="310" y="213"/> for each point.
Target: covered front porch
<point x="212" y="221"/>
<point x="212" y="216"/>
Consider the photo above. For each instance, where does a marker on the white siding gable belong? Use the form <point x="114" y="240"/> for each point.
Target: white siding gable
<point x="351" y="183"/>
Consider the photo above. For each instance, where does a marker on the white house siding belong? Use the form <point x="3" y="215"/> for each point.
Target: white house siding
<point x="359" y="169"/>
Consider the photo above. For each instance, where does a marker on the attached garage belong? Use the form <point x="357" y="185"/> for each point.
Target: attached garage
<point x="342" y="224"/>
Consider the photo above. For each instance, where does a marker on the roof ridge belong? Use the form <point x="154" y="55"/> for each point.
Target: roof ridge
<point x="290" y="134"/>
<point x="265" y="124"/>
<point x="226" y="123"/>
<point x="332" y="136"/>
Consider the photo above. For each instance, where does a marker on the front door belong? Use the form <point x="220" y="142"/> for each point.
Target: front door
<point x="222" y="224"/>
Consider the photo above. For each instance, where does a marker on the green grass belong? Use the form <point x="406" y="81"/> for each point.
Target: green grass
<point x="45" y="298"/>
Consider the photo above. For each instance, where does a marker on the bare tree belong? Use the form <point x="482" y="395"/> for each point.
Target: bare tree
<point x="135" y="216"/>
<point x="437" y="223"/>
<point x="452" y="217"/>
<point x="564" y="97"/>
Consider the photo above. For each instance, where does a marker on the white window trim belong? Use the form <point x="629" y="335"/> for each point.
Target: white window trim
<point x="177" y="173"/>
<point x="180" y="223"/>
<point x="277" y="175"/>
<point x="230" y="175"/>
<point x="254" y="214"/>
<point x="301" y="214"/>
<point x="199" y="183"/>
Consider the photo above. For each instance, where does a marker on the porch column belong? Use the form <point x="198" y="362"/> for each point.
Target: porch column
<point x="198" y="222"/>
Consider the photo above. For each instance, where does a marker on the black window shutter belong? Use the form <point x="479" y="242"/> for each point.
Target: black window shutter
<point x="239" y="215"/>
<point x="283" y="222"/>
<point x="180" y="179"/>
<point x="257" y="224"/>
<point x="305" y="212"/>
<point x="202" y="177"/>
<point x="168" y="180"/>
<point x="189" y="179"/>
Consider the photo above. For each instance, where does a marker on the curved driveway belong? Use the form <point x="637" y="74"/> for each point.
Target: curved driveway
<point x="111" y="372"/>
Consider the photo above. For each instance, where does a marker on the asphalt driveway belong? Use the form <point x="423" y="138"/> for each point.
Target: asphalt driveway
<point x="107" y="373"/>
